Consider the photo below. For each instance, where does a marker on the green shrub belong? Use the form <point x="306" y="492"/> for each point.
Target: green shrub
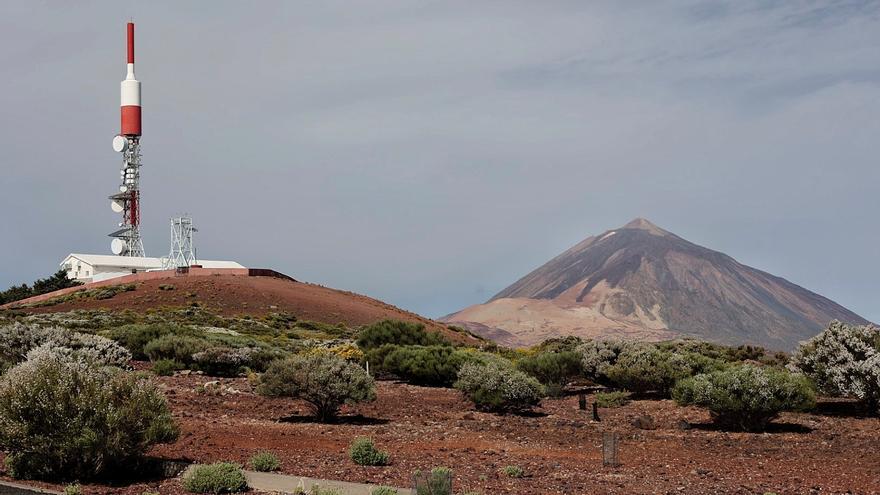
<point x="648" y="369"/>
<point x="383" y="490"/>
<point x="438" y="481"/>
<point x="61" y="418"/>
<point x="135" y="337"/>
<point x="843" y="360"/>
<point x="498" y="388"/>
<point x="513" y="471"/>
<point x="364" y="453"/>
<point x="177" y="347"/>
<point x="434" y="365"/>
<point x="552" y="369"/>
<point x="324" y="381"/>
<point x="611" y="399"/>
<point x="222" y="361"/>
<point x="220" y="477"/>
<point x="74" y="489"/>
<point x="746" y="397"/>
<point x="264" y="461"/>
<point x="396" y="332"/>
<point x="167" y="367"/>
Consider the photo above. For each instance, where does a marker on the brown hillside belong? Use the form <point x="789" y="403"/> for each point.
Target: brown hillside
<point x="235" y="295"/>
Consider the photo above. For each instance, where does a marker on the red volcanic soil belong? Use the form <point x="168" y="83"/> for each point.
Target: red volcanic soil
<point x="558" y="448"/>
<point x="234" y="295"/>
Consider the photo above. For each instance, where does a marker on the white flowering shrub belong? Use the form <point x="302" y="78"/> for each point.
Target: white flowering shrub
<point x="63" y="418"/>
<point x="497" y="387"/>
<point x="746" y="397"/>
<point x="324" y="381"/>
<point x="18" y="339"/>
<point x="598" y="355"/>
<point x="843" y="360"/>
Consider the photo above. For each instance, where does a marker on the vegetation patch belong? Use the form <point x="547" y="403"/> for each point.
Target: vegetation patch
<point x="611" y="399"/>
<point x="324" y="381"/>
<point x="402" y="333"/>
<point x="264" y="461"/>
<point x="364" y="453"/>
<point x="746" y="397"/>
<point x="843" y="360"/>
<point x="499" y="388"/>
<point x="513" y="471"/>
<point x="220" y="477"/>
<point x="62" y="418"/>
<point x="552" y="369"/>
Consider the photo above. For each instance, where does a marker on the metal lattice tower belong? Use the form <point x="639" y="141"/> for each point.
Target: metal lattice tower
<point x="183" y="250"/>
<point x="128" y="201"/>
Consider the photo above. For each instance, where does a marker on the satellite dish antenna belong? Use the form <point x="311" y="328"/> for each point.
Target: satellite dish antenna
<point x="120" y="144"/>
<point x="123" y="188"/>
<point x="117" y="246"/>
<point x="116" y="206"/>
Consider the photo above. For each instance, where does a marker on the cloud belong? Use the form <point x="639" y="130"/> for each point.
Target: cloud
<point x="428" y="152"/>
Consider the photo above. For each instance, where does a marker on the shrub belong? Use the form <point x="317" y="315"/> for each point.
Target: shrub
<point x="222" y="361"/>
<point x="135" y="337"/>
<point x="513" y="471"/>
<point x="177" y="347"/>
<point x="63" y="418"/>
<point x="553" y="369"/>
<point x="396" y="332"/>
<point x="265" y="461"/>
<point x="167" y="367"/>
<point x="647" y="368"/>
<point x="499" y="388"/>
<point x="843" y="360"/>
<point x="383" y="490"/>
<point x="746" y="397"/>
<point x="569" y="343"/>
<point x="598" y="355"/>
<point x="364" y="453"/>
<point x="74" y="489"/>
<point x="611" y="399"/>
<point x="18" y="339"/>
<point x="324" y="381"/>
<point x="434" y="365"/>
<point x="220" y="477"/>
<point x="438" y="481"/>
<point x="349" y="352"/>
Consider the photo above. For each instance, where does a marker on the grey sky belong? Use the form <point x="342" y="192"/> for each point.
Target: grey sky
<point x="429" y="153"/>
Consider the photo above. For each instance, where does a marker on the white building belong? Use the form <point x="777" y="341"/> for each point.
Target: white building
<point x="97" y="267"/>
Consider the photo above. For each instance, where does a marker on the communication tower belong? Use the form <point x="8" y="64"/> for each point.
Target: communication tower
<point x="183" y="250"/>
<point x="127" y="239"/>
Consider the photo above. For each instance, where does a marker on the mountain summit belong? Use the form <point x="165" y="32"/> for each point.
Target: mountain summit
<point x="641" y="282"/>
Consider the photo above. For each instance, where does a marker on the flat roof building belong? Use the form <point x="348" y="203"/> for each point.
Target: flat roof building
<point x="96" y="267"/>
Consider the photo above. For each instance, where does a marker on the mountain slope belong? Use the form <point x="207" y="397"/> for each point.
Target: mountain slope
<point x="642" y="282"/>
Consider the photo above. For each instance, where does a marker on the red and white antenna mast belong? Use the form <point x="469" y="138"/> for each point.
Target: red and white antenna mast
<point x="127" y="240"/>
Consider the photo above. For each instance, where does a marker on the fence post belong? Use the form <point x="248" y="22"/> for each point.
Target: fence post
<point x="610" y="442"/>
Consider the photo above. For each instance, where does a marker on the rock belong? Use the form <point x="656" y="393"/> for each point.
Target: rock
<point x="683" y="425"/>
<point x="644" y="422"/>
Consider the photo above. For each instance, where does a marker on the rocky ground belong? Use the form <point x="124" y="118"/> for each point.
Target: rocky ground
<point x="559" y="447"/>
